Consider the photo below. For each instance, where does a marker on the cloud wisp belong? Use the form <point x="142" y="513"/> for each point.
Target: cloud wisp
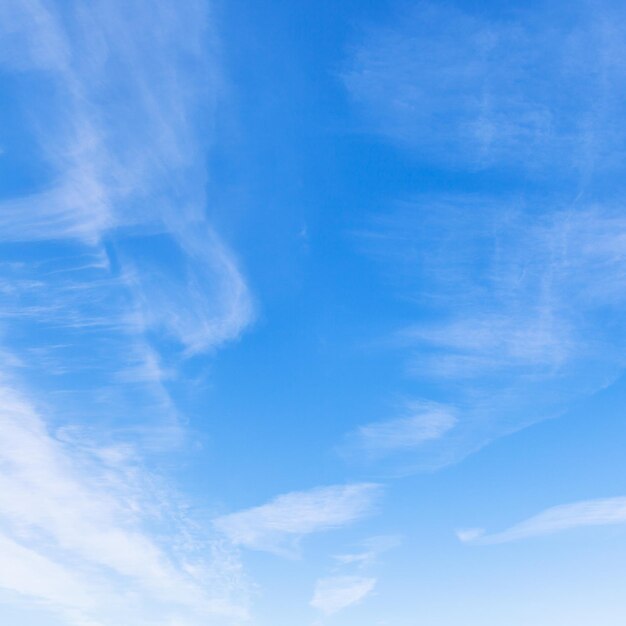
<point x="279" y="525"/>
<point x="461" y="87"/>
<point x="369" y="551"/>
<point x="86" y="520"/>
<point x="339" y="592"/>
<point x="517" y="294"/>
<point x="130" y="176"/>
<point x="113" y="271"/>
<point x="519" y="305"/>
<point x="424" y="422"/>
<point x="601" y="512"/>
<point x="112" y="275"/>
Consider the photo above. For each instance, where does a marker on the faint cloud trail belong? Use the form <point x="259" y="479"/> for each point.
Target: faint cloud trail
<point x="116" y="97"/>
<point x="521" y="315"/>
<point x="600" y="512"/>
<point x="279" y="525"/>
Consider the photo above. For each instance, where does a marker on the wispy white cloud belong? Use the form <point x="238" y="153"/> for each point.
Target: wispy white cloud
<point x="600" y="512"/>
<point x="368" y="551"/>
<point x="30" y="574"/>
<point x="339" y="592"/>
<point x="279" y="525"/>
<point x="117" y="166"/>
<point x="115" y="98"/>
<point x="348" y="585"/>
<point x="519" y="307"/>
<point x="528" y="288"/>
<point x="517" y="298"/>
<point x="201" y="299"/>
<point x="82" y="518"/>
<point x="463" y="86"/>
<point x="425" y="421"/>
<point x="117" y="255"/>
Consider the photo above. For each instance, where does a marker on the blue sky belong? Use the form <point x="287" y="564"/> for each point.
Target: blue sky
<point x="312" y="313"/>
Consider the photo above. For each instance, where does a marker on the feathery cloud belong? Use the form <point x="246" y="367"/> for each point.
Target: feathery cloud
<point x="426" y="421"/>
<point x="117" y="167"/>
<point x="464" y="88"/>
<point x="117" y="95"/>
<point x="339" y="592"/>
<point x="519" y="307"/>
<point x="369" y="551"/>
<point x="601" y="512"/>
<point x="79" y="518"/>
<point x="279" y="525"/>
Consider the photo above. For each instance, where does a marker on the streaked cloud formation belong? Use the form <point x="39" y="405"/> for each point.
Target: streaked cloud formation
<point x="279" y="525"/>
<point x="426" y="421"/>
<point x="369" y="551"/>
<point x="339" y="592"/>
<point x="123" y="260"/>
<point x="516" y="294"/>
<point x="516" y="301"/>
<point x="602" y="512"/>
<point x="129" y="180"/>
<point x="111" y="275"/>
<point x="77" y="526"/>
<point x="464" y="88"/>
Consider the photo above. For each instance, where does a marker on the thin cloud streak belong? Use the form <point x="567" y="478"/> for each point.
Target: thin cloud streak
<point x="82" y="514"/>
<point x="601" y="512"/>
<point x="426" y="421"/>
<point x="279" y="525"/>
<point x="517" y="294"/>
<point x="520" y="308"/>
<point x="94" y="326"/>
<point x="369" y="551"/>
<point x="119" y="167"/>
<point x="339" y="592"/>
<point x="464" y="89"/>
<point x="119" y="135"/>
